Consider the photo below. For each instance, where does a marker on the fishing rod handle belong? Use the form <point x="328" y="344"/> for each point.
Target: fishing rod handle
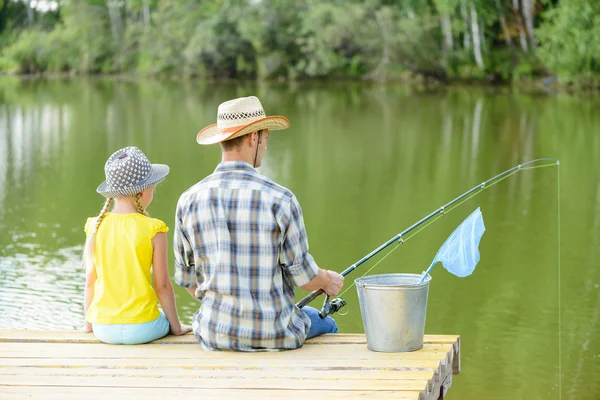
<point x="313" y="295"/>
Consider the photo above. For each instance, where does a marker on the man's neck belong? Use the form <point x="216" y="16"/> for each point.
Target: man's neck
<point x="236" y="156"/>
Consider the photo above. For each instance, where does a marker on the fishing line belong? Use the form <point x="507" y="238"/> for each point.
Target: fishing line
<point x="445" y="211"/>
<point x="559" y="302"/>
<point x="346" y="313"/>
<point x="370" y="269"/>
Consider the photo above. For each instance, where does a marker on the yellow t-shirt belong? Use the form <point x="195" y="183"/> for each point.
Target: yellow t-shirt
<point x="123" y="293"/>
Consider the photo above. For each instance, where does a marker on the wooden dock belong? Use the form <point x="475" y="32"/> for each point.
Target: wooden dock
<point x="74" y="365"/>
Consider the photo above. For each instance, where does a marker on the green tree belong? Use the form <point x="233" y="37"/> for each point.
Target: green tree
<point x="285" y="39"/>
<point x="570" y="41"/>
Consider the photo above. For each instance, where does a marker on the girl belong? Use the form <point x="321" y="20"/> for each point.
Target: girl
<point x="122" y="247"/>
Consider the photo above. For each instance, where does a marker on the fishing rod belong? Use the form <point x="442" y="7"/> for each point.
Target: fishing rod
<point x="330" y="307"/>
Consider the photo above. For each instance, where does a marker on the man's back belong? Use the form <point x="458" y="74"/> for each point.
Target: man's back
<point x="240" y="237"/>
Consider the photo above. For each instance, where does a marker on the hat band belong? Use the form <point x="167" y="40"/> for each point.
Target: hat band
<point x="232" y="129"/>
<point x="128" y="191"/>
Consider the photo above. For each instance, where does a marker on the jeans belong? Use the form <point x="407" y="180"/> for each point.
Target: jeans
<point x="132" y="333"/>
<point x="319" y="326"/>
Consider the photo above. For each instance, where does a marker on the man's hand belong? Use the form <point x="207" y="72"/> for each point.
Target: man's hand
<point x="336" y="282"/>
<point x="329" y="281"/>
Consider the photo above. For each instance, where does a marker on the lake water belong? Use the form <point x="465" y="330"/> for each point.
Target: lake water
<point x="365" y="162"/>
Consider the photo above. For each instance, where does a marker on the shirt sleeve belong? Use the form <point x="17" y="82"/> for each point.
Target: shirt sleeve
<point x="294" y="257"/>
<point x="158" y="227"/>
<point x="185" y="270"/>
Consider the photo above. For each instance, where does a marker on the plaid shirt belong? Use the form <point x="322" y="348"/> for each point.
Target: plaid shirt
<point x="240" y="238"/>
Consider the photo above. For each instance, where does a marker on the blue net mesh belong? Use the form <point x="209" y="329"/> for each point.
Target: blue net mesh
<point x="460" y="252"/>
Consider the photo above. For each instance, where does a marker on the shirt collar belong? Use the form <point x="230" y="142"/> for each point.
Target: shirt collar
<point x="228" y="166"/>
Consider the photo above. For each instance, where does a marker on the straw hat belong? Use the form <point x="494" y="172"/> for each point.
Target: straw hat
<point x="238" y="117"/>
<point x="128" y="172"/>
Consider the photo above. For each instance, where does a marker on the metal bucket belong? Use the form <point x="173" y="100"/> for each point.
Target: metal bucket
<point x="393" y="309"/>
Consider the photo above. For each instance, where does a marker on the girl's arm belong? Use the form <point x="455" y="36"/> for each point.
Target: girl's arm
<point x="162" y="284"/>
<point x="88" y="295"/>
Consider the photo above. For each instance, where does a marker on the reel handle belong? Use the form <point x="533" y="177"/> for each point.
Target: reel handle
<point x="331" y="307"/>
<point x="326" y="309"/>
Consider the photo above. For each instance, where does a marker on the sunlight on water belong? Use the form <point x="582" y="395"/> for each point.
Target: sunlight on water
<point x="41" y="290"/>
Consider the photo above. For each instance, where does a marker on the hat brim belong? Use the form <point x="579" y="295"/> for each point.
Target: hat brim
<point x="157" y="174"/>
<point x="212" y="134"/>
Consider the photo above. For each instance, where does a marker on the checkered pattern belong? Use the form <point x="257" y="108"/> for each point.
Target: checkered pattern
<point x="240" y="115"/>
<point x="241" y="239"/>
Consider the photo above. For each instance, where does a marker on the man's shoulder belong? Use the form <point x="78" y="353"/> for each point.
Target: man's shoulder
<point x="194" y="189"/>
<point x="255" y="181"/>
<point x="276" y="189"/>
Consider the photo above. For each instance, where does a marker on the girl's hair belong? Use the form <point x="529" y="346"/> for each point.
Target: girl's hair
<point x="139" y="205"/>
<point x="90" y="244"/>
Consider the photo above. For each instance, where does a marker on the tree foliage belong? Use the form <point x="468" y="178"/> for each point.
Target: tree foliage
<point x="571" y="41"/>
<point x="285" y="39"/>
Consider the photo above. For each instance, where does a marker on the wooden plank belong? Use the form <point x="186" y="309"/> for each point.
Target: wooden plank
<point x="326" y="366"/>
<point x="90" y="393"/>
<point x="81" y="337"/>
<point x="244" y="364"/>
<point x="201" y="383"/>
<point x="456" y="358"/>
<point x="264" y="373"/>
<point x="375" y="380"/>
<point x="100" y="350"/>
<point x="355" y="338"/>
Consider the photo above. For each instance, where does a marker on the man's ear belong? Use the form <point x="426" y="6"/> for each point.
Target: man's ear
<point x="252" y="139"/>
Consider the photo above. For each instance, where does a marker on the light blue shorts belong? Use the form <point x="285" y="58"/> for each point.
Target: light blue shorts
<point x="132" y="333"/>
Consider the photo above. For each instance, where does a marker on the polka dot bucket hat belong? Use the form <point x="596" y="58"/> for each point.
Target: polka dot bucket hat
<point x="128" y="172"/>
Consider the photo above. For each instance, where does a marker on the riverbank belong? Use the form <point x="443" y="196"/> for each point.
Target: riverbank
<point x="447" y="42"/>
<point x="543" y="85"/>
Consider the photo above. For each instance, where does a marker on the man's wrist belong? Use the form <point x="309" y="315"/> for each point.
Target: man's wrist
<point x="328" y="275"/>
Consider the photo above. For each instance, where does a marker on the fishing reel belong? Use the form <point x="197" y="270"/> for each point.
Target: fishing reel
<point x="331" y="307"/>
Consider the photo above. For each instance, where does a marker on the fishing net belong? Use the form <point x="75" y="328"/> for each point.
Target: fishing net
<point x="460" y="252"/>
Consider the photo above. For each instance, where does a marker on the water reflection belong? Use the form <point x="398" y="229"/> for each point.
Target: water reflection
<point x="365" y="162"/>
<point x="41" y="290"/>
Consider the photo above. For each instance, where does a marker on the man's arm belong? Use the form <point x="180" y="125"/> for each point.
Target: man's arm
<point x="185" y="269"/>
<point x="297" y="261"/>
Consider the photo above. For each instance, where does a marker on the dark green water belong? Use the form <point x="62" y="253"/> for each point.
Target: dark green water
<point x="365" y="162"/>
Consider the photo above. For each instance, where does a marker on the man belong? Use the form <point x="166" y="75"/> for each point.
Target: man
<point x="241" y="246"/>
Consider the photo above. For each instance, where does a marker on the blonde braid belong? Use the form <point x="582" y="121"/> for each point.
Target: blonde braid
<point x="90" y="246"/>
<point x="102" y="214"/>
<point x="139" y="205"/>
